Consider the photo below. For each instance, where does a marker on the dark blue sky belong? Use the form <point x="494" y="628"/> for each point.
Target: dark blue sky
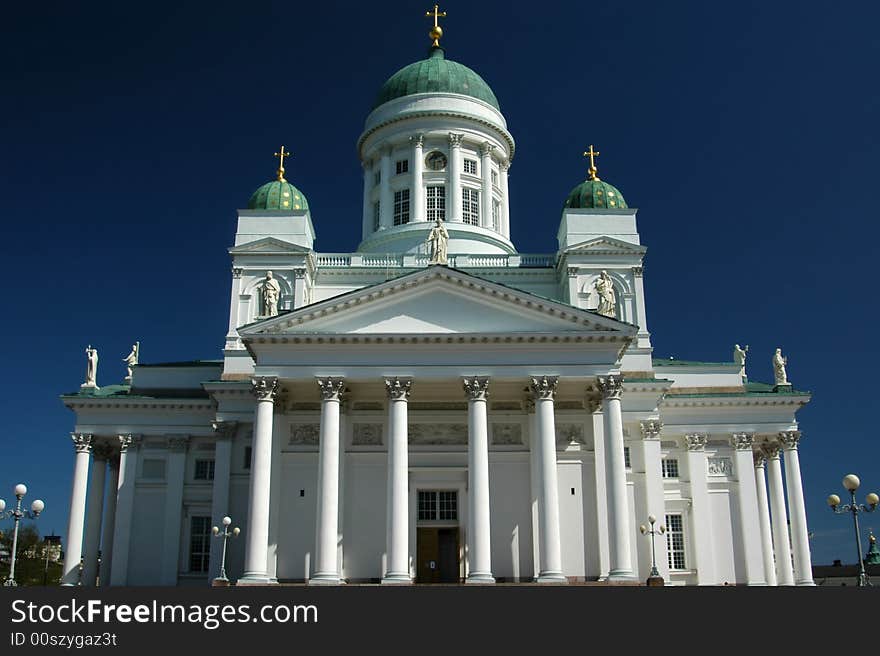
<point x="745" y="132"/>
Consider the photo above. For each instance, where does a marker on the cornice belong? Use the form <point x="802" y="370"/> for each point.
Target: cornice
<point x="153" y="404"/>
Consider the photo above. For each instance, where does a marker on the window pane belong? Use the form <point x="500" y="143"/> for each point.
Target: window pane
<point x="402" y="166"/>
<point x="675" y="541"/>
<point x="448" y="505"/>
<point x="470" y="206"/>
<point x="436" y="203"/>
<point x="427" y="505"/>
<point x="401" y="207"/>
<point x="199" y="543"/>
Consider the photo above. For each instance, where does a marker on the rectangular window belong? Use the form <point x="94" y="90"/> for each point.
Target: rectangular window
<point x="376" y="216"/>
<point x="675" y="541"/>
<point x="495" y="178"/>
<point x="377" y="177"/>
<point x="438" y="505"/>
<point x="402" y="166"/>
<point x="670" y="467"/>
<point x="204" y="470"/>
<point x="626" y="461"/>
<point x="496" y="214"/>
<point x="153" y="468"/>
<point x="401" y="207"/>
<point x="436" y="203"/>
<point x="199" y="543"/>
<point x="427" y="505"/>
<point x="470" y="206"/>
<point x="470" y="166"/>
<point x="248" y="451"/>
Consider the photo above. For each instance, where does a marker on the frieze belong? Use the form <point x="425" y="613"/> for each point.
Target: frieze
<point x="720" y="467"/>
<point x="569" y="434"/>
<point x="504" y="434"/>
<point x="304" y="434"/>
<point x="438" y="433"/>
<point x="366" y="435"/>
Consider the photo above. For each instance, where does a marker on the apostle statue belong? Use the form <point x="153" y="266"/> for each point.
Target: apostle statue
<point x="437" y="242"/>
<point x="739" y="357"/>
<point x="91" y="367"/>
<point x="132" y="359"/>
<point x="779" y="363"/>
<point x="271" y="292"/>
<point x="607" y="298"/>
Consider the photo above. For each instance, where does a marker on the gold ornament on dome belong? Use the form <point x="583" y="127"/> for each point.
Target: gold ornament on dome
<point x="592" y="154"/>
<point x="436" y="31"/>
<point x="281" y="155"/>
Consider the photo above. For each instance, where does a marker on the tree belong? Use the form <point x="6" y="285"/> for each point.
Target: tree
<point x="30" y="559"/>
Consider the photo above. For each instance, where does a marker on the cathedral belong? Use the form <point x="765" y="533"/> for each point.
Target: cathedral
<point x="437" y="406"/>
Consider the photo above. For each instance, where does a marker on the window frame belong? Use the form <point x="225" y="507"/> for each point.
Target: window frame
<point x="401" y="166"/>
<point x="470" y="206"/>
<point x="442" y="504"/>
<point x="439" y="201"/>
<point x="469" y="164"/>
<point x="401" y="214"/>
<point x="666" y="464"/>
<point x="670" y="534"/>
<point x="211" y="468"/>
<point x="205" y="553"/>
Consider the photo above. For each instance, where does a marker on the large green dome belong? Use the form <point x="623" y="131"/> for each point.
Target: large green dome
<point x="595" y="194"/>
<point x="436" y="74"/>
<point x="278" y="195"/>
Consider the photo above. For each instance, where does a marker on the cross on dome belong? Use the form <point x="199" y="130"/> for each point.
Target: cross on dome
<point x="281" y="155"/>
<point x="436" y="31"/>
<point x="592" y="154"/>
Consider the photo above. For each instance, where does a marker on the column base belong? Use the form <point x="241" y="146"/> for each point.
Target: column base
<point x="757" y="584"/>
<point x="396" y="579"/>
<point x="326" y="579"/>
<point x="807" y="583"/>
<point x="256" y="578"/>
<point x="478" y="578"/>
<point x="551" y="577"/>
<point x="621" y="575"/>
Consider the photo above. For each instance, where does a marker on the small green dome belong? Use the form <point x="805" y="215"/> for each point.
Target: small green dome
<point x="595" y="194"/>
<point x="278" y="195"/>
<point x="436" y="74"/>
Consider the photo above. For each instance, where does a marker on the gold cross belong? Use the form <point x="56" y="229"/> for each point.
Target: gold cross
<point x="592" y="154"/>
<point x="437" y="31"/>
<point x="281" y="156"/>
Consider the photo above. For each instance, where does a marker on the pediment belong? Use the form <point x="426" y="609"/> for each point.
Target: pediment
<point x="268" y="245"/>
<point x="605" y="246"/>
<point x="438" y="300"/>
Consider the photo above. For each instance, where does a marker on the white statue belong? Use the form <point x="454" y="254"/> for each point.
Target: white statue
<point x="91" y="367"/>
<point x="437" y="242"/>
<point x="607" y="298"/>
<point x="779" y="363"/>
<point x="132" y="358"/>
<point x="739" y="356"/>
<point x="271" y="291"/>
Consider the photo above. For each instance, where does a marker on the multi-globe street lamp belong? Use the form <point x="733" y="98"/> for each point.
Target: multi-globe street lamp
<point x="851" y="482"/>
<point x="654" y="579"/>
<point x="17" y="514"/>
<point x="226" y="534"/>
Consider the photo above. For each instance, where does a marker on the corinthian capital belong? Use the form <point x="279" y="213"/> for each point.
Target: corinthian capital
<point x="790" y="439"/>
<point x="455" y="139"/>
<point x="742" y="441"/>
<point x="543" y="387"/>
<point x="651" y="429"/>
<point x="398" y="389"/>
<point x="611" y="387"/>
<point x="331" y="388"/>
<point x="82" y="442"/>
<point x="696" y="441"/>
<point x="771" y="451"/>
<point x="476" y="388"/>
<point x="417" y="140"/>
<point x="759" y="458"/>
<point x="265" y="388"/>
<point x="486" y="148"/>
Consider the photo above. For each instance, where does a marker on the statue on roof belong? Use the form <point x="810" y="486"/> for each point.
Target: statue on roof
<point x="131" y="359"/>
<point x="437" y="243"/>
<point x="607" y="298"/>
<point x="271" y="292"/>
<point x="779" y="372"/>
<point x="739" y="357"/>
<point x="91" y="367"/>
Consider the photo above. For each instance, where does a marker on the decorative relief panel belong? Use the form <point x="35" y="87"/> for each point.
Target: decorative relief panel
<point x="506" y="434"/>
<point x="720" y="467"/>
<point x="367" y="435"/>
<point x="304" y="434"/>
<point x="569" y="434"/>
<point x="438" y="433"/>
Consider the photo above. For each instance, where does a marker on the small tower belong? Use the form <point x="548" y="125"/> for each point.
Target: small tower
<point x="873" y="555"/>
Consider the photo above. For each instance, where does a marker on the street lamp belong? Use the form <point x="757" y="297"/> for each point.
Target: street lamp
<point x="17" y="513"/>
<point x="226" y="534"/>
<point x="654" y="579"/>
<point x="851" y="482"/>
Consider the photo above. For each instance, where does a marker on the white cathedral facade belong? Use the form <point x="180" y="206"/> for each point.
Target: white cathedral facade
<point x="437" y="410"/>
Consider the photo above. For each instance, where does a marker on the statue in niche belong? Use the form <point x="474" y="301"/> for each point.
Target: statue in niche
<point x="91" y="367"/>
<point x="779" y="372"/>
<point x="271" y="292"/>
<point x="607" y="298"/>
<point x="132" y="358"/>
<point x="739" y="357"/>
<point x="437" y="242"/>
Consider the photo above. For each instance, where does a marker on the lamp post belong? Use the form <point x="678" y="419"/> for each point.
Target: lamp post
<point x="851" y="483"/>
<point x="17" y="513"/>
<point x="222" y="581"/>
<point x="654" y="579"/>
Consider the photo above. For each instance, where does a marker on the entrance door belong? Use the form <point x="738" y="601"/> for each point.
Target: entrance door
<point x="437" y="550"/>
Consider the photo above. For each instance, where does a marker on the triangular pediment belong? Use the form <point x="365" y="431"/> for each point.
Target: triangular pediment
<point x="268" y="246"/>
<point x="605" y="246"/>
<point x="438" y="300"/>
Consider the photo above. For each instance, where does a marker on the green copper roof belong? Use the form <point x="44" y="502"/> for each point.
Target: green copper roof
<point x="436" y="74"/>
<point x="592" y="194"/>
<point x="278" y="195"/>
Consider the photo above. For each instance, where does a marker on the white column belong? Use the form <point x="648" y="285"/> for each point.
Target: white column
<point x="367" y="223"/>
<point x="655" y="503"/>
<point x="764" y="518"/>
<point x="95" y="510"/>
<point x="109" y="522"/>
<point x="486" y="194"/>
<point x="535" y="484"/>
<point x="234" y="305"/>
<point x="543" y="390"/>
<point x="397" y="562"/>
<point x="175" y="471"/>
<point x="386" y="199"/>
<point x="453" y="185"/>
<point x="701" y="513"/>
<point x="619" y="532"/>
<point x="749" y="522"/>
<point x="505" y="200"/>
<point x="417" y="192"/>
<point x="128" y="449"/>
<point x="224" y="430"/>
<point x="83" y="445"/>
<point x="265" y="389"/>
<point x="327" y="516"/>
<point x="479" y="538"/>
<point x="803" y="565"/>
<point x="781" y="544"/>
